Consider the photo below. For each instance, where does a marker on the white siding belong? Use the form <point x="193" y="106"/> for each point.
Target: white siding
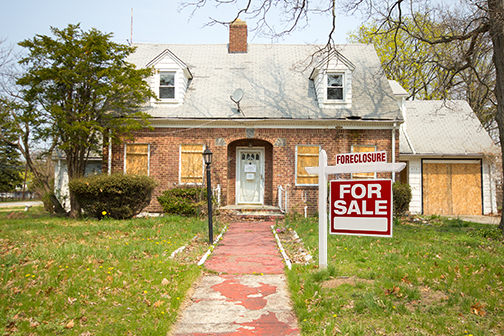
<point x="415" y="181"/>
<point x="489" y="196"/>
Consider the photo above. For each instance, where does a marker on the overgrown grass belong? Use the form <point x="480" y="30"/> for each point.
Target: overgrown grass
<point x="89" y="277"/>
<point x="434" y="277"/>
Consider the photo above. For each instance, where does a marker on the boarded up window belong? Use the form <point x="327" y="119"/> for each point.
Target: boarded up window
<point x="363" y="149"/>
<point x="136" y="159"/>
<point x="307" y="156"/>
<point x="191" y="164"/>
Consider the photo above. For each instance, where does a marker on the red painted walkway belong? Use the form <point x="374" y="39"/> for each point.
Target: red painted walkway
<point x="247" y="248"/>
<point x="249" y="296"/>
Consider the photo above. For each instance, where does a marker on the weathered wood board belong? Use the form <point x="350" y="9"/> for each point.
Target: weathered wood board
<point x="452" y="188"/>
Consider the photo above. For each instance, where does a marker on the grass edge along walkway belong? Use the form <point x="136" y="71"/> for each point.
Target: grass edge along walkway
<point x="248" y="295"/>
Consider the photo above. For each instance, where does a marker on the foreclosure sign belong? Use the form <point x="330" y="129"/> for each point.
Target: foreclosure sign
<point x="367" y="157"/>
<point x="361" y="207"/>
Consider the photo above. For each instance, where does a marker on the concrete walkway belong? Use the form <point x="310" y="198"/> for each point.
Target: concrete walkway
<point x="249" y="296"/>
<point x="478" y="219"/>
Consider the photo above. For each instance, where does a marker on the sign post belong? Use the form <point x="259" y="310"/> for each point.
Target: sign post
<point x="349" y="163"/>
<point x="322" y="209"/>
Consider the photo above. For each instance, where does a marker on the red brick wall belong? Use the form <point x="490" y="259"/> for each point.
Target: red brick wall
<point x="280" y="151"/>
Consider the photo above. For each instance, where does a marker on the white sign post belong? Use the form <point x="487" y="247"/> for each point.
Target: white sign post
<point x="349" y="163"/>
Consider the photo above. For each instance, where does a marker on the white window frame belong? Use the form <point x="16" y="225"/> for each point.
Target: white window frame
<point x="158" y="84"/>
<point x="374" y="173"/>
<point x="148" y="156"/>
<point x="202" y="164"/>
<point x="326" y="87"/>
<point x="296" y="167"/>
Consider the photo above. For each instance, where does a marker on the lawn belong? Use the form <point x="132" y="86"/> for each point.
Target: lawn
<point x="90" y="277"/>
<point x="109" y="277"/>
<point x="434" y="277"/>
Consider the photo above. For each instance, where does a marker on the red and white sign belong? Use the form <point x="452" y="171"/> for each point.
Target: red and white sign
<point x="356" y="158"/>
<point x="361" y="207"/>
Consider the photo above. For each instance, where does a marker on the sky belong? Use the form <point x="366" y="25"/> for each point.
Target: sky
<point x="154" y="21"/>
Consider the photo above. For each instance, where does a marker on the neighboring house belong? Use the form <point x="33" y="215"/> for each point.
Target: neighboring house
<point x="93" y="167"/>
<point x="449" y="156"/>
<point x="293" y="106"/>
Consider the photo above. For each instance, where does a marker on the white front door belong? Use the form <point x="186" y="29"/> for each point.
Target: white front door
<point x="250" y="175"/>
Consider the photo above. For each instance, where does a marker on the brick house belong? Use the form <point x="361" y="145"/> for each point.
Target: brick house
<point x="293" y="105"/>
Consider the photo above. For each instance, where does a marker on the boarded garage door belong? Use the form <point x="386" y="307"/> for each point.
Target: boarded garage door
<point x="452" y="188"/>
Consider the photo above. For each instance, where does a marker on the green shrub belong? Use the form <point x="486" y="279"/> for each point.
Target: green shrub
<point x="402" y="197"/>
<point x="117" y="196"/>
<point x="188" y="201"/>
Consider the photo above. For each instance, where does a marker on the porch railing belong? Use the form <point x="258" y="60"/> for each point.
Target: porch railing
<point x="283" y="199"/>
<point x="216" y="193"/>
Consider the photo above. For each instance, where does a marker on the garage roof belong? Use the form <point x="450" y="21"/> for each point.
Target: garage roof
<point x="443" y="128"/>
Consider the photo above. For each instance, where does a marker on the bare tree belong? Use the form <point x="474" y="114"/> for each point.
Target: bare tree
<point x="469" y="24"/>
<point x="15" y="125"/>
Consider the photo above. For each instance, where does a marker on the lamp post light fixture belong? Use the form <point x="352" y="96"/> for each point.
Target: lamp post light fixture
<point x="207" y="157"/>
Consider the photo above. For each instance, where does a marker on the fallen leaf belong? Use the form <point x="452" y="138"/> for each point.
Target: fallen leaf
<point x="158" y="303"/>
<point x="405" y="279"/>
<point x="477" y="309"/>
<point x="165" y="282"/>
<point x="70" y="325"/>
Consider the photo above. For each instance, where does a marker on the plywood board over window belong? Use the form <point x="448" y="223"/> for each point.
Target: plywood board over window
<point x="452" y="188"/>
<point x="136" y="159"/>
<point x="363" y="149"/>
<point x="191" y="164"/>
<point x="306" y="156"/>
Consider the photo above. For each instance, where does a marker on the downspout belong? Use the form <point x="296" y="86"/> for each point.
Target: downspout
<point x="490" y="177"/>
<point x="393" y="149"/>
<point x="110" y="154"/>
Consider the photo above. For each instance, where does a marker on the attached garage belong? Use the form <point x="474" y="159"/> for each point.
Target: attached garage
<point x="452" y="187"/>
<point x="450" y="158"/>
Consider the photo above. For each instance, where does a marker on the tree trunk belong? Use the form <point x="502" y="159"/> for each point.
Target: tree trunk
<point x="496" y="16"/>
<point x="75" y="170"/>
<point x="58" y="209"/>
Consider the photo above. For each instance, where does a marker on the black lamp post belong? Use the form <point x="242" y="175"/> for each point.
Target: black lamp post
<point x="207" y="157"/>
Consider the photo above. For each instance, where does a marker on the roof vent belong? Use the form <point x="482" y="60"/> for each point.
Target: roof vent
<point x="353" y="118"/>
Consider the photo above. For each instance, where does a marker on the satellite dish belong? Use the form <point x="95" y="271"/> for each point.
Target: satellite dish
<point x="236" y="97"/>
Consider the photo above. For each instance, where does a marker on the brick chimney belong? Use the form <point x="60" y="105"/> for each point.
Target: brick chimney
<point x="238" y="36"/>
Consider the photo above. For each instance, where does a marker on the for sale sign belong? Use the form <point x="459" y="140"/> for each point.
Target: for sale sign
<point x="361" y="207"/>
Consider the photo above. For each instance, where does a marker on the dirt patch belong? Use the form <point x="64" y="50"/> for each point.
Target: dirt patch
<point x="294" y="246"/>
<point x="333" y="283"/>
<point x="428" y="298"/>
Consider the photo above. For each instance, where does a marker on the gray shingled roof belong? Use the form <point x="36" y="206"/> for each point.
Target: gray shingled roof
<point x="443" y="127"/>
<point x="275" y="82"/>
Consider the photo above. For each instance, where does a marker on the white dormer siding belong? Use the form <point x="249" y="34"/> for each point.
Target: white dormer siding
<point x="168" y="64"/>
<point x="326" y="78"/>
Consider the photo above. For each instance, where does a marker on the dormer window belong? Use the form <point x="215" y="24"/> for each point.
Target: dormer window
<point x="332" y="78"/>
<point x="167" y="85"/>
<point x="171" y="79"/>
<point x="335" y="89"/>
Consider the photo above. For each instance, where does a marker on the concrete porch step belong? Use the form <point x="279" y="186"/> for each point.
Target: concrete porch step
<point x="252" y="212"/>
